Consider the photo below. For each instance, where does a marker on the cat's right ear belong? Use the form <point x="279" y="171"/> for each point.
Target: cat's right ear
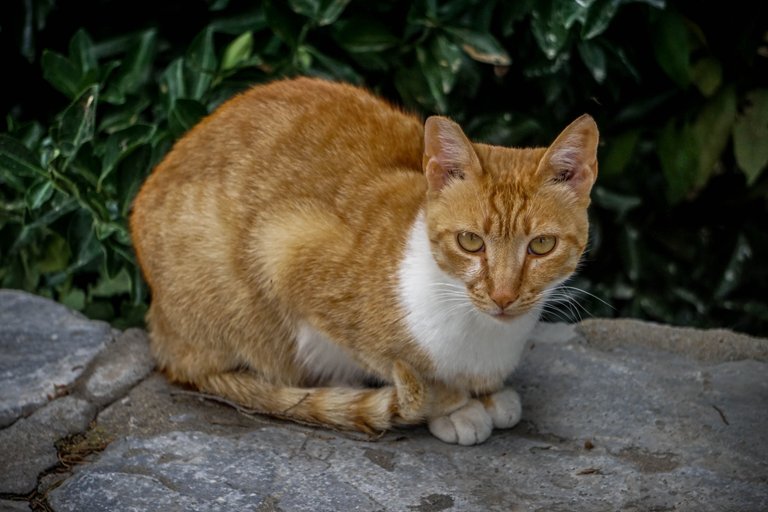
<point x="448" y="153"/>
<point x="572" y="158"/>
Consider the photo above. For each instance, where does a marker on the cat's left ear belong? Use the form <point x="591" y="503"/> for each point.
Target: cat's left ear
<point x="448" y="154"/>
<point x="572" y="158"/>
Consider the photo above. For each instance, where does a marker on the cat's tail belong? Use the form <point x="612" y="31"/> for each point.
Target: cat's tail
<point x="369" y="410"/>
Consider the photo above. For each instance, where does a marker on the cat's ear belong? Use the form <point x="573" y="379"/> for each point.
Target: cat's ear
<point x="448" y="153"/>
<point x="572" y="158"/>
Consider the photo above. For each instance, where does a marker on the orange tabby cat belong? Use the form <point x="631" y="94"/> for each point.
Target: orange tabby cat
<point x="307" y="242"/>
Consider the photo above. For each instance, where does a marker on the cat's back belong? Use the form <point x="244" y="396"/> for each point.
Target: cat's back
<point x="330" y="124"/>
<point x="286" y="144"/>
<point x="296" y="137"/>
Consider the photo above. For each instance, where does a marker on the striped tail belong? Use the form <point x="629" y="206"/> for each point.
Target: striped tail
<point x="369" y="410"/>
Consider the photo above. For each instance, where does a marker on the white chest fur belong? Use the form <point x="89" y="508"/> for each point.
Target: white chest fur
<point x="460" y="339"/>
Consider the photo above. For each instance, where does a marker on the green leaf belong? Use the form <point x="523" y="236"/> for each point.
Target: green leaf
<point x="73" y="299"/>
<point x="672" y="47"/>
<point x="136" y="68"/>
<point x="448" y="58"/>
<point x="130" y="174"/>
<point x="111" y="286"/>
<point x="99" y="310"/>
<point x="549" y="31"/>
<point x="82" y="241"/>
<point x="413" y="88"/>
<point x="172" y="81"/>
<point x="121" y="144"/>
<point x="734" y="270"/>
<point x="615" y="202"/>
<point x="335" y="68"/>
<point x="56" y="255"/>
<point x="219" y="5"/>
<point x="308" y="8"/>
<point x="322" y="12"/>
<point x="712" y="129"/>
<point x="594" y="58"/>
<point x="16" y="159"/>
<point x="184" y="115"/>
<point x="61" y="73"/>
<point x="200" y="64"/>
<point x="433" y="75"/>
<point x="330" y="11"/>
<point x="81" y="53"/>
<point x="707" y="75"/>
<point x="51" y="214"/>
<point x="504" y="129"/>
<point x="678" y="149"/>
<point x="124" y="115"/>
<point x="514" y="12"/>
<point x="283" y="22"/>
<point x="363" y="35"/>
<point x="38" y="194"/>
<point x="598" y="18"/>
<point x="237" y="51"/>
<point x="481" y="46"/>
<point x="76" y="124"/>
<point x="750" y="135"/>
<point x="630" y="252"/>
<point x="619" y="151"/>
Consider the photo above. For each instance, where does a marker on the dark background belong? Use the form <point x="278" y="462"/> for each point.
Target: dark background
<point x="97" y="91"/>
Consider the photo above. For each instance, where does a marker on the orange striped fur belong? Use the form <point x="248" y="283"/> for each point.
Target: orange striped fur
<point x="285" y="237"/>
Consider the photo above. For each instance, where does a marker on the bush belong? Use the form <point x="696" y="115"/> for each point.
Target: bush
<point x="678" y="90"/>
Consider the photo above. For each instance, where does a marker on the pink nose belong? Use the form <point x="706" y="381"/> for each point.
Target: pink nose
<point x="504" y="298"/>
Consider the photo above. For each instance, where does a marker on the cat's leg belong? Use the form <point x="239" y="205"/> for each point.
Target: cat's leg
<point x="472" y="422"/>
<point x="503" y="407"/>
<point x="457" y="418"/>
<point x="469" y="424"/>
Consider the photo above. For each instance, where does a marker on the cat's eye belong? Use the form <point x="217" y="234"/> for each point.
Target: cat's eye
<point x="542" y="245"/>
<point x="470" y="242"/>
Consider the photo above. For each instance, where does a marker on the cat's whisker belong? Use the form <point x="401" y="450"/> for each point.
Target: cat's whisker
<point x="459" y="308"/>
<point x="565" y="315"/>
<point x="452" y="293"/>
<point x="559" y="315"/>
<point x="585" y="292"/>
<point x="560" y="303"/>
<point x="570" y="302"/>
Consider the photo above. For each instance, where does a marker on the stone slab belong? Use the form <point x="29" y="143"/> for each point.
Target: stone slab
<point x="118" y="367"/>
<point x="44" y="347"/>
<point x="28" y="448"/>
<point x="626" y="427"/>
<point x="709" y="345"/>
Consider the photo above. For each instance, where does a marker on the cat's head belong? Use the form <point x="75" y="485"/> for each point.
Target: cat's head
<point x="511" y="224"/>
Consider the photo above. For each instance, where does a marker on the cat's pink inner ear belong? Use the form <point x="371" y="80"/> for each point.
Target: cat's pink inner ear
<point x="572" y="158"/>
<point x="448" y="153"/>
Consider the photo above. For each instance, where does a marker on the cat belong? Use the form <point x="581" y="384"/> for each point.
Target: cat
<point x="316" y="254"/>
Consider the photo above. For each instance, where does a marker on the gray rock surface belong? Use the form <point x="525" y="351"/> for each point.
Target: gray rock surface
<point x="610" y="422"/>
<point x="27" y="446"/>
<point x="14" y="506"/>
<point x="710" y="345"/>
<point x="44" y="347"/>
<point x="119" y="367"/>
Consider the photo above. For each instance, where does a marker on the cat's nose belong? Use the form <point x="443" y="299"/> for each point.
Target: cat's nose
<point x="504" y="298"/>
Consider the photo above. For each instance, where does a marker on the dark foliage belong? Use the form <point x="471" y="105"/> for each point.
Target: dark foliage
<point x="99" y="90"/>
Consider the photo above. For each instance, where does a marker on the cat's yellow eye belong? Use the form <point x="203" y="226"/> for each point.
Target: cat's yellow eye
<point x="542" y="245"/>
<point x="470" y="242"/>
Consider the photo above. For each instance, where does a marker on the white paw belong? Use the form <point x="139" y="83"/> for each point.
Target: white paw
<point x="504" y="408"/>
<point x="468" y="425"/>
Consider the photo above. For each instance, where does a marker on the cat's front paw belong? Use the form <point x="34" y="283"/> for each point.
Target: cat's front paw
<point x="468" y="425"/>
<point x="504" y="407"/>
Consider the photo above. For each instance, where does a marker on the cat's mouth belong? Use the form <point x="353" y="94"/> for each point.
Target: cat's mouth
<point x="505" y="315"/>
